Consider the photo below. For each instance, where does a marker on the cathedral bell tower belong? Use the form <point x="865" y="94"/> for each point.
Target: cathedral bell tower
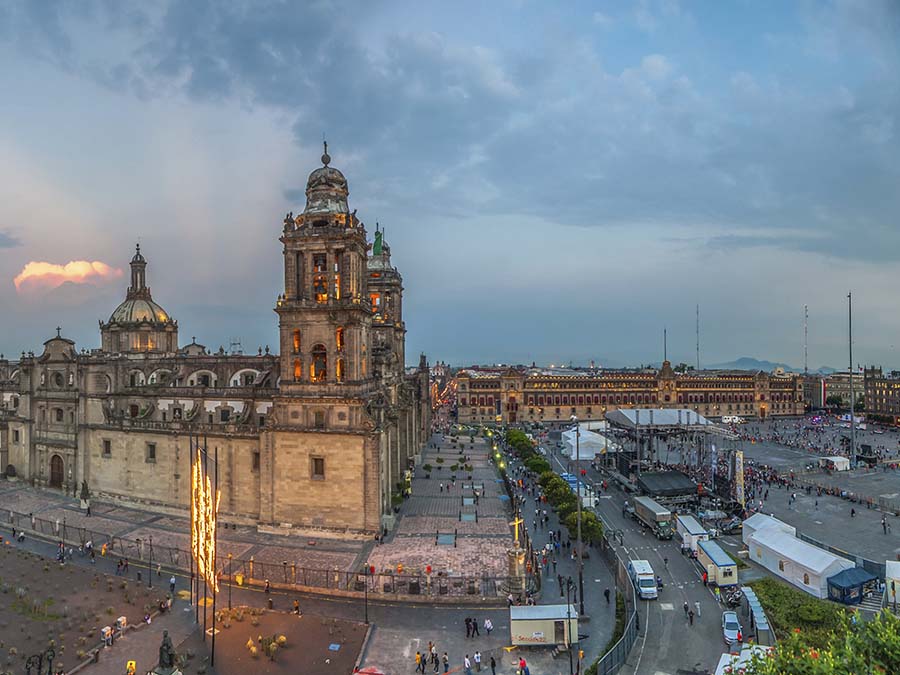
<point x="324" y="312"/>
<point x="320" y="454"/>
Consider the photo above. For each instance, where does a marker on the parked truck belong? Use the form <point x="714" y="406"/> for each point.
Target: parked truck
<point x="657" y="518"/>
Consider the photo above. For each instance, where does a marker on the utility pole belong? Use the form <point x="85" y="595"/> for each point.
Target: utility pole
<point x="852" y="396"/>
<point x="805" y="339"/>
<point x="578" y="495"/>
<point x="665" y="351"/>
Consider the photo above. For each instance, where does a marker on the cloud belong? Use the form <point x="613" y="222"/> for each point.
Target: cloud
<point x="42" y="276"/>
<point x="8" y="241"/>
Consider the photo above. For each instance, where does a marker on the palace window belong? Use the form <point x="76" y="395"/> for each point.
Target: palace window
<point x="319" y="419"/>
<point x="298" y="370"/>
<point x="318" y="369"/>
<point x="255" y="464"/>
<point x="58" y="412"/>
<point x="296" y="341"/>
<point x="16" y="436"/>
<point x="339" y="370"/>
<point x="58" y="379"/>
<point x="150" y="453"/>
<point x="107" y="448"/>
<point x="317" y="468"/>
<point x="339" y="338"/>
<point x="224" y="415"/>
<point x="320" y="282"/>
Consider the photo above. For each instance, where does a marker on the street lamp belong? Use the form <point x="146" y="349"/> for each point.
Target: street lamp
<point x="578" y="495"/>
<point x="150" y="565"/>
<point x="230" y="581"/>
<point x="569" y="622"/>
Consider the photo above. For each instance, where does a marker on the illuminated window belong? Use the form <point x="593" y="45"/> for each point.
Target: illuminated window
<point x="339" y="338"/>
<point x="337" y="277"/>
<point x="296" y="341"/>
<point x="318" y="369"/>
<point x="375" y="300"/>
<point x="320" y="282"/>
<point x="339" y="370"/>
<point x="298" y="370"/>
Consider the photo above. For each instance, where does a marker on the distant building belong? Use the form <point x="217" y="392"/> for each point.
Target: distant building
<point x="814" y="391"/>
<point x="516" y="395"/>
<point x="838" y="384"/>
<point x="882" y="394"/>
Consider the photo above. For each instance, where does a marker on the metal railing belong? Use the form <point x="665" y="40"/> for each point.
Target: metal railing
<point x="386" y="583"/>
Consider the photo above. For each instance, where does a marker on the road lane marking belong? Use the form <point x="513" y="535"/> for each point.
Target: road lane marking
<point x="666" y="606"/>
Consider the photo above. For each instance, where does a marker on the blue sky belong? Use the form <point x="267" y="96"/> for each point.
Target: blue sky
<point x="558" y="180"/>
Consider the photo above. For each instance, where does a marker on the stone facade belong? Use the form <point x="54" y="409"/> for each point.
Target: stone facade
<point x="318" y="436"/>
<point x="519" y="395"/>
<point x="882" y="395"/>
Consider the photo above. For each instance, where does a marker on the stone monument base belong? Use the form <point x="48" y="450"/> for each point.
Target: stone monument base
<point x="166" y="671"/>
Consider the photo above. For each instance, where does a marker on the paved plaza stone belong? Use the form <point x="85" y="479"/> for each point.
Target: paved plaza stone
<point x="473" y="509"/>
<point x="127" y="525"/>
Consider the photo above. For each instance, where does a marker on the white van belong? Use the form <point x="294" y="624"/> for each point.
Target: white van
<point x="644" y="579"/>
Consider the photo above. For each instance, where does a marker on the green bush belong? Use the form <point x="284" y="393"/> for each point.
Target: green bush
<point x="537" y="464"/>
<point x="788" y="609"/>
<point x="426" y="468"/>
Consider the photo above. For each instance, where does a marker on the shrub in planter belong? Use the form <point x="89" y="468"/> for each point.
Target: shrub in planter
<point x="427" y="468"/>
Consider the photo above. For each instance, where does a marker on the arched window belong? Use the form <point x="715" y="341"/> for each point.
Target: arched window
<point x="339" y="338"/>
<point x="320" y="282"/>
<point x="298" y="370"/>
<point x="318" y="368"/>
<point x="58" y="379"/>
<point x="339" y="370"/>
<point x="297" y="342"/>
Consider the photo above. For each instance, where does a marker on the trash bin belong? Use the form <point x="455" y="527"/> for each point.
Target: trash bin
<point x="270" y="603"/>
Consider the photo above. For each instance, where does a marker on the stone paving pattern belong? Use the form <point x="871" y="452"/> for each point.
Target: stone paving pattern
<point x="127" y="524"/>
<point x="435" y="506"/>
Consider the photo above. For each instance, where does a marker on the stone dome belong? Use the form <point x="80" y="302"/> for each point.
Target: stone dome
<point x="138" y="310"/>
<point x="326" y="189"/>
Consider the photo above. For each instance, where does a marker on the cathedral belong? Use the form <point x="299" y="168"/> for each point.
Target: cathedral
<point x="320" y="435"/>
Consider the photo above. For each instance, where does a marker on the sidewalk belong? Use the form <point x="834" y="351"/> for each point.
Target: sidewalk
<point x="597" y="577"/>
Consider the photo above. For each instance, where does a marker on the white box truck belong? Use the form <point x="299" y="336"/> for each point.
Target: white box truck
<point x="644" y="579"/>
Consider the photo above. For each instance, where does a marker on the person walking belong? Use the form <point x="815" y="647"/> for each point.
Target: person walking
<point x="697" y="607"/>
<point x="606" y="595"/>
<point x="477" y="658"/>
<point x="434" y="658"/>
<point x="268" y="587"/>
<point x="467" y="665"/>
<point x="446" y="660"/>
<point x="884" y="524"/>
<point x="488" y="626"/>
<point x="686" y="607"/>
<point x="172" y="584"/>
<point x="493" y="666"/>
<point x="691" y="617"/>
<point x="475" y="627"/>
<point x="468" y="627"/>
<point x="418" y="661"/>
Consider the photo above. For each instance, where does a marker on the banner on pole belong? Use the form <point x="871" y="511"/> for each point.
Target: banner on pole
<point x="739" y="477"/>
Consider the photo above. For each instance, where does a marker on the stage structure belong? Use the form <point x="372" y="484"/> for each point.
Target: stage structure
<point x="653" y="438"/>
<point x="204" y="516"/>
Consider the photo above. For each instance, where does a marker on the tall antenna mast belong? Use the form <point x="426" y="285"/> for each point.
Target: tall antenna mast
<point x="805" y="339"/>
<point x="698" y="337"/>
<point x="852" y="396"/>
<point x="665" y="350"/>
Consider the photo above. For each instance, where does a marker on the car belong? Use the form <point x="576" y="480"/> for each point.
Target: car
<point x="731" y="628"/>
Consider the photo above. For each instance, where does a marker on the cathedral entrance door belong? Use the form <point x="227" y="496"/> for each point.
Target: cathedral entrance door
<point x="56" y="471"/>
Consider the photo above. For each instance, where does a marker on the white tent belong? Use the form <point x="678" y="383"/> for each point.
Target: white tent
<point x="804" y="565"/>
<point x="760" y="521"/>
<point x="589" y="444"/>
<point x="840" y="463"/>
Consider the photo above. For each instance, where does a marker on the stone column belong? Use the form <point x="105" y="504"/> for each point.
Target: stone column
<point x="515" y="558"/>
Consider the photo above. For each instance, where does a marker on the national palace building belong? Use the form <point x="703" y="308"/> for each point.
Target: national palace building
<point x="318" y="435"/>
<point x="517" y="395"/>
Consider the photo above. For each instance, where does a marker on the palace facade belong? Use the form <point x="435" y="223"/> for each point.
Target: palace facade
<point x="319" y="435"/>
<point x="520" y="395"/>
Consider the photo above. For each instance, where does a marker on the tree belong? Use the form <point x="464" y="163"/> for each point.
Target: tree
<point x="860" y="404"/>
<point x="854" y="648"/>
<point x="835" y="400"/>
<point x="591" y="527"/>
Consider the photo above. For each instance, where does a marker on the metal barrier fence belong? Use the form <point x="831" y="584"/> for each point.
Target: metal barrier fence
<point x="153" y="556"/>
<point x="871" y="566"/>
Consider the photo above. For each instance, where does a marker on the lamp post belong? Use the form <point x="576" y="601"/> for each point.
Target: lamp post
<point x="366" y="588"/>
<point x="230" y="581"/>
<point x="578" y="495"/>
<point x="569" y="622"/>
<point x="150" y="565"/>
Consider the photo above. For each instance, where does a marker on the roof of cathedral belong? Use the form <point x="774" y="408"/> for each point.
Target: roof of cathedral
<point x="326" y="189"/>
<point x="139" y="310"/>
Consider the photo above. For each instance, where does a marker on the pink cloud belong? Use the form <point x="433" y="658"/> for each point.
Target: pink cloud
<point x="42" y="276"/>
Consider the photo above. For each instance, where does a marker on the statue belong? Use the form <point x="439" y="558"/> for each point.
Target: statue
<point x="289" y="220"/>
<point x="166" y="653"/>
